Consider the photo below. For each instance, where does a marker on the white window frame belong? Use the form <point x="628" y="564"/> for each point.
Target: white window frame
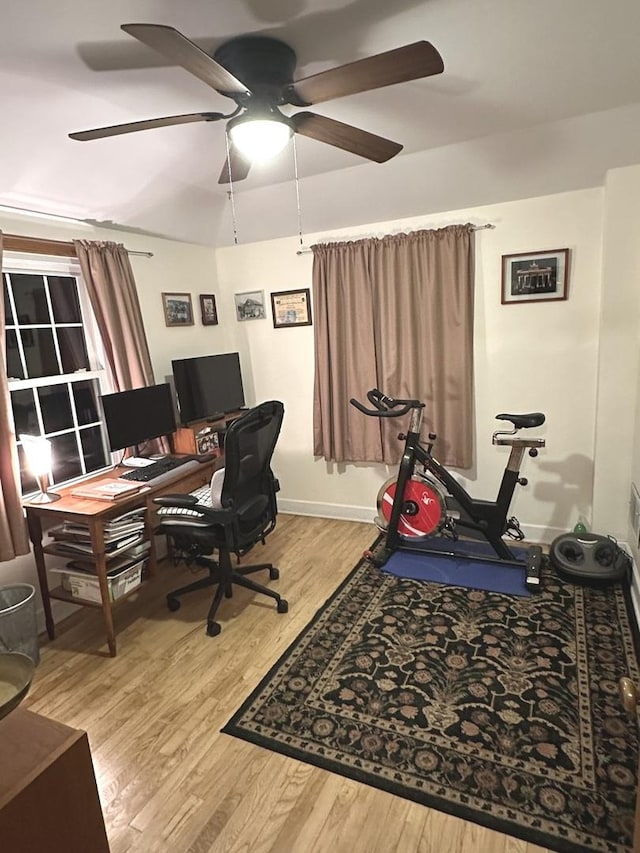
<point x="19" y="262"/>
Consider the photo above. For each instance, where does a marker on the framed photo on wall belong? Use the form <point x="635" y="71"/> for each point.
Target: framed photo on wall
<point x="250" y="305"/>
<point x="178" y="310"/>
<point x="291" y="308"/>
<point x="535" y="276"/>
<point x="208" y="309"/>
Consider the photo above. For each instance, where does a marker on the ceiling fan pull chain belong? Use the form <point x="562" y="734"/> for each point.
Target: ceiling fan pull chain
<point x="295" y="169"/>
<point x="230" y="193"/>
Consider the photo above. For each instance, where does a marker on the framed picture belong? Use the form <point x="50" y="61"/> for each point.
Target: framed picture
<point x="535" y="276"/>
<point x="178" y="310"/>
<point x="291" y="308"/>
<point x="208" y="309"/>
<point x="250" y="305"/>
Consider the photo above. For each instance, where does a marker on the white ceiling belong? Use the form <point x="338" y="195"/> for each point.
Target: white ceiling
<point x="537" y="96"/>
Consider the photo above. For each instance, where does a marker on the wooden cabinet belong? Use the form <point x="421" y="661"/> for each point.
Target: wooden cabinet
<point x="198" y="437"/>
<point x="48" y="794"/>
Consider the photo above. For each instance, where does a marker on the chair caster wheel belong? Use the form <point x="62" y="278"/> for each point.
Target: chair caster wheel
<point x="283" y="606"/>
<point x="213" y="629"/>
<point x="173" y="604"/>
<point x="274" y="574"/>
<point x="228" y="593"/>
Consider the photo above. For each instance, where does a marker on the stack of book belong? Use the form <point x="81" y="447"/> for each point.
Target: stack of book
<point x="126" y="551"/>
<point x="106" y="490"/>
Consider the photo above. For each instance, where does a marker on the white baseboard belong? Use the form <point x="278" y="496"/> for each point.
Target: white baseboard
<point x="341" y="512"/>
<point x="533" y="532"/>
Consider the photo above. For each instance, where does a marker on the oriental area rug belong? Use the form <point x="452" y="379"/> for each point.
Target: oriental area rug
<point x="500" y="709"/>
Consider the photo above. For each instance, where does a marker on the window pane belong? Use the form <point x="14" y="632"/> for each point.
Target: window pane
<point x="40" y="354"/>
<point x="65" y="458"/>
<point x="85" y="395"/>
<point x="73" y="350"/>
<point x="8" y="316"/>
<point x="30" y="298"/>
<point x="64" y="299"/>
<point x="56" y="408"/>
<point x="93" y="449"/>
<point x="27" y="480"/>
<point x="14" y="365"/>
<point x="24" y="412"/>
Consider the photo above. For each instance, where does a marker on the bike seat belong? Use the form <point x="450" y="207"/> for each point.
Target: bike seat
<point x="533" y="419"/>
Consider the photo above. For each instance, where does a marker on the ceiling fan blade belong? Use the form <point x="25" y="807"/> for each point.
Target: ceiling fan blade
<point x="410" y="62"/>
<point x="239" y="167"/>
<point x="172" y="44"/>
<point x="344" y="136"/>
<point x="133" y="126"/>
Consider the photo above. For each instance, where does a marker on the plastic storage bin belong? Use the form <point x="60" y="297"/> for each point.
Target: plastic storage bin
<point x="18" y="626"/>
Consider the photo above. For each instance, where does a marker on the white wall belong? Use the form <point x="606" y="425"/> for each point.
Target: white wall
<point x="618" y="411"/>
<point x="528" y="357"/>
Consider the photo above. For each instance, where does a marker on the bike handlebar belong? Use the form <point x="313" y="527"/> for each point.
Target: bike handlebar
<point x="385" y="407"/>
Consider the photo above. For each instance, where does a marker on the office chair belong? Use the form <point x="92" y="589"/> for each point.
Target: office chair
<point x="242" y="512"/>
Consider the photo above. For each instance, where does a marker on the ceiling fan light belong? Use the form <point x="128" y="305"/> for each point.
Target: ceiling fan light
<point x="260" y="139"/>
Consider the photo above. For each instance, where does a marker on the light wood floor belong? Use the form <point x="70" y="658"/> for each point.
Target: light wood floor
<point x="169" y="782"/>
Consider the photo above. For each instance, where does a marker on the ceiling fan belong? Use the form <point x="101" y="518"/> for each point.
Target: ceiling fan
<point x="256" y="72"/>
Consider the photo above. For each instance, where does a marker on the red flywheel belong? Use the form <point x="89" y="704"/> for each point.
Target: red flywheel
<point x="423" y="508"/>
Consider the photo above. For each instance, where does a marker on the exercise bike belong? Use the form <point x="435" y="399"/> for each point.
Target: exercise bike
<point x="425" y="500"/>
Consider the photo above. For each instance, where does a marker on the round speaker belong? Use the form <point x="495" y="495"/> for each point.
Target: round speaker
<point x="589" y="558"/>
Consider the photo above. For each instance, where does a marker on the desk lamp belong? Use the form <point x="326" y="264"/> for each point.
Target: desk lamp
<point x="37" y="451"/>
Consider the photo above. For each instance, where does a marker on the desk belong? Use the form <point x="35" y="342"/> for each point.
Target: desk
<point x="95" y="514"/>
<point x="48" y="795"/>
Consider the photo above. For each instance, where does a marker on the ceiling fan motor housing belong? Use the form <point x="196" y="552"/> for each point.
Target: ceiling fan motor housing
<point x="264" y="65"/>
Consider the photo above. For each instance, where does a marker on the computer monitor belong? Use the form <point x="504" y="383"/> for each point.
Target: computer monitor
<point x="136" y="416"/>
<point x="208" y="387"/>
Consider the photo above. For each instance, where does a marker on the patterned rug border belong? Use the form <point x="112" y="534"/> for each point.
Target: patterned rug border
<point x="397" y="788"/>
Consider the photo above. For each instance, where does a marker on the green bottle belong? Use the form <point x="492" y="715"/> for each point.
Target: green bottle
<point x="580" y="527"/>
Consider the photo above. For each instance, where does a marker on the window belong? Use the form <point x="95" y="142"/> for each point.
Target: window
<point x="54" y="365"/>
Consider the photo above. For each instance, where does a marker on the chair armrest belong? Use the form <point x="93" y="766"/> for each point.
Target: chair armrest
<point x="176" y="500"/>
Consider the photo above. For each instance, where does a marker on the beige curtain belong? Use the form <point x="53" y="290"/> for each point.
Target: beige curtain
<point x="13" y="532"/>
<point x="112" y="290"/>
<point x="107" y="273"/>
<point x="396" y="314"/>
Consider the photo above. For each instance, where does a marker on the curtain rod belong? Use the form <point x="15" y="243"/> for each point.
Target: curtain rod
<point x="307" y="251"/>
<point x="41" y="246"/>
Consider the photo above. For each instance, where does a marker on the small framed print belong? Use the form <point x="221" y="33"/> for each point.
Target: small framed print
<point x="250" y="305"/>
<point x="291" y="308"/>
<point x="208" y="309"/>
<point x="178" y="310"/>
<point x="535" y="276"/>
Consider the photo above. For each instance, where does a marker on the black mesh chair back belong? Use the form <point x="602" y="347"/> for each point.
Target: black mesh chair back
<point x="244" y="515"/>
<point x="249" y="487"/>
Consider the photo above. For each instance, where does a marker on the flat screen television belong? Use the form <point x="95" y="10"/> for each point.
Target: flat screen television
<point x="208" y="386"/>
<point x="133" y="417"/>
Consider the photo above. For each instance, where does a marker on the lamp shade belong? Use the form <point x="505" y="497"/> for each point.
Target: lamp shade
<point x="259" y="138"/>
<point x="37" y="451"/>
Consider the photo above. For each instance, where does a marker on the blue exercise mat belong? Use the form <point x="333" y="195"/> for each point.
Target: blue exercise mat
<point x="460" y="570"/>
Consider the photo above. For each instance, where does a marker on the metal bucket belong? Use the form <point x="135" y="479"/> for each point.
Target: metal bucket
<point x="18" y="626"/>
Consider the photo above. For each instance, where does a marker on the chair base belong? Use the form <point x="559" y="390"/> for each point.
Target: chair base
<point x="224" y="582"/>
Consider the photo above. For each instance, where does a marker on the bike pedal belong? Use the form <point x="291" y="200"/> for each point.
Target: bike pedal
<point x="534" y="568"/>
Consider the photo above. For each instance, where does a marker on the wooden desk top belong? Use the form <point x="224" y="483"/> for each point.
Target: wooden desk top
<point x="69" y="504"/>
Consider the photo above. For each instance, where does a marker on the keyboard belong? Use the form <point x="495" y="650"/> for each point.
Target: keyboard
<point x="150" y="473"/>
